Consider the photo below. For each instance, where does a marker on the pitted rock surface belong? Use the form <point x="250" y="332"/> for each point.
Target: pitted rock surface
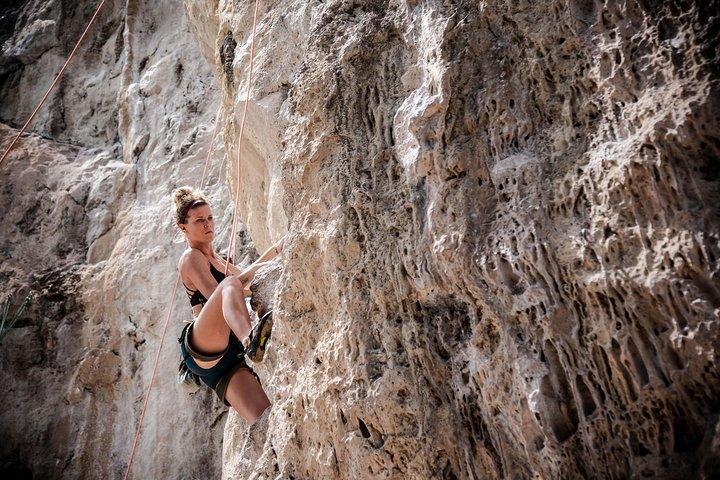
<point x="502" y="250"/>
<point x="503" y="246"/>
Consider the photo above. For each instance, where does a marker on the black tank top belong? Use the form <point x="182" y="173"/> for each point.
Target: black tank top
<point x="196" y="297"/>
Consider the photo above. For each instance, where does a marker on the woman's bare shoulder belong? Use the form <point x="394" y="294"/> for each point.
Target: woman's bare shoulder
<point x="189" y="258"/>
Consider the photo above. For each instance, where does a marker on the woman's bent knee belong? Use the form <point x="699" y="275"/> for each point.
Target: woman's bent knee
<point x="231" y="282"/>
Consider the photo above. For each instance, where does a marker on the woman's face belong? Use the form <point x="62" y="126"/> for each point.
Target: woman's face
<point x="199" y="226"/>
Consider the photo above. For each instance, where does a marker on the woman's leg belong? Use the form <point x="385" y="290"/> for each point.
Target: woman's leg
<point x="245" y="394"/>
<point x="225" y="310"/>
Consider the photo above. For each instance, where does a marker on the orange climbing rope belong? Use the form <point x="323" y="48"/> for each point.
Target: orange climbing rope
<point x="210" y="150"/>
<point x="168" y="316"/>
<point x="231" y="246"/>
<point x="57" y="78"/>
<point x="152" y="377"/>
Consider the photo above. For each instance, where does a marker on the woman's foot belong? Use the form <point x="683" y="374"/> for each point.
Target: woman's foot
<point x="258" y="338"/>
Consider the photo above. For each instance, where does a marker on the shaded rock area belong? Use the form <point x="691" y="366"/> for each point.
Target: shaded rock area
<point x="264" y="287"/>
<point x="57" y="369"/>
<point x="44" y="221"/>
<point x="503" y="251"/>
<point x="38" y="36"/>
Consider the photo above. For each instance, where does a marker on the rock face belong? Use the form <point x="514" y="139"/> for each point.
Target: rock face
<point x="503" y="246"/>
<point x="503" y="234"/>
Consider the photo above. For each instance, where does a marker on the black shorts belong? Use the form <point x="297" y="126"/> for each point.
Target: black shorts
<point x="218" y="376"/>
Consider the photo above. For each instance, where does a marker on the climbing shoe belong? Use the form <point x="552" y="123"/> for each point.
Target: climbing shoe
<point x="258" y="338"/>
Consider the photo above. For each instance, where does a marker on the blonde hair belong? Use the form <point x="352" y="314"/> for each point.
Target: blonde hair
<point x="185" y="199"/>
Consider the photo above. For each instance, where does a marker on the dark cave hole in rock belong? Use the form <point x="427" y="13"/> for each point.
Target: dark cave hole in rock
<point x="448" y="473"/>
<point x="638" y="448"/>
<point x="559" y="409"/>
<point x="687" y="433"/>
<point x="587" y="402"/>
<point x="637" y="361"/>
<point x="15" y="470"/>
<point x="583" y="10"/>
<point x="538" y="443"/>
<point x="227" y="56"/>
<point x="441" y="351"/>
<point x="363" y="429"/>
<point x="709" y="170"/>
<point x="629" y="382"/>
<point x="179" y="69"/>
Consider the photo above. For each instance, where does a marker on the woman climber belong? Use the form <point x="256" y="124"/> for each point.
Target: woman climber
<point x="210" y="345"/>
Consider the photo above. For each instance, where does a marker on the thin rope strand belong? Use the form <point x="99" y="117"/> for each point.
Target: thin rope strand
<point x="57" y="78"/>
<point x="152" y="378"/>
<point x="231" y="247"/>
<point x="212" y="146"/>
<point x="167" y="320"/>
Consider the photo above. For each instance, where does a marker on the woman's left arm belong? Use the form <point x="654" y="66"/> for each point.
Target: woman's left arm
<point x="247" y="275"/>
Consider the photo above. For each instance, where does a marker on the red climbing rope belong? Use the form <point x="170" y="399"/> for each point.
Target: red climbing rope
<point x="232" y="236"/>
<point x="212" y="146"/>
<point x="152" y="377"/>
<point x="57" y="78"/>
<point x="231" y="247"/>
<point x="167" y="317"/>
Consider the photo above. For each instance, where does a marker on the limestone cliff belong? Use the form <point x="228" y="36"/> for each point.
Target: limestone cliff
<point x="504" y="235"/>
<point x="502" y="259"/>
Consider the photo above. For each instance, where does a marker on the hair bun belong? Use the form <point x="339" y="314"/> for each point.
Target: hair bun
<point x="186" y="198"/>
<point x="179" y="194"/>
